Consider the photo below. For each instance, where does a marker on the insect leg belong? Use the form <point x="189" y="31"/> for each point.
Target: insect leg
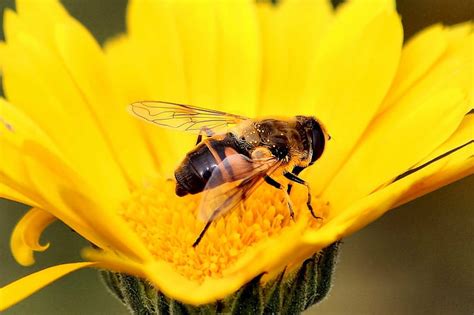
<point x="298" y="180"/>
<point x="242" y="187"/>
<point x="198" y="240"/>
<point x="205" y="130"/>
<point x="277" y="185"/>
<point x="296" y="171"/>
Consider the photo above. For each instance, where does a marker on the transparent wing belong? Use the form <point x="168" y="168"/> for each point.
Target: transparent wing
<point x="233" y="181"/>
<point x="184" y="117"/>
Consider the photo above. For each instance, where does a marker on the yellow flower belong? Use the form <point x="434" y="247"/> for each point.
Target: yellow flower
<point x="401" y="120"/>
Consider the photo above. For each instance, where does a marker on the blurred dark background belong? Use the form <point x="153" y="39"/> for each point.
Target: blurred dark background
<point x="417" y="259"/>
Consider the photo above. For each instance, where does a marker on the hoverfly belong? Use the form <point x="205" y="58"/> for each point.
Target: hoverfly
<point x="238" y="153"/>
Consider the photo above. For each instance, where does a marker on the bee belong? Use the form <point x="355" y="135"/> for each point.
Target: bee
<point x="235" y="154"/>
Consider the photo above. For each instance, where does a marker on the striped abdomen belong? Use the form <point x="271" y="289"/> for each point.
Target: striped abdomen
<point x="194" y="172"/>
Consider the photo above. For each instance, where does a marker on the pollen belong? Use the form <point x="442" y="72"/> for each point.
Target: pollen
<point x="169" y="225"/>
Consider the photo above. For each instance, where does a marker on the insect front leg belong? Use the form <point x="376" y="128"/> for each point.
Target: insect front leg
<point x="207" y="131"/>
<point x="298" y="180"/>
<point x="277" y="185"/>
<point x="296" y="170"/>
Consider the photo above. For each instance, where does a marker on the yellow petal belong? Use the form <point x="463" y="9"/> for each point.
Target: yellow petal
<point x="15" y="129"/>
<point x="42" y="190"/>
<point x="158" y="57"/>
<point x="390" y="196"/>
<point x="71" y="192"/>
<point x="457" y="166"/>
<point x="25" y="236"/>
<point x="292" y="30"/>
<point x="21" y="289"/>
<point x="455" y="64"/>
<point x="17" y="188"/>
<point x="239" y="54"/>
<point x="363" y="47"/>
<point x="34" y="15"/>
<point x="85" y="63"/>
<point x="397" y="140"/>
<point x="122" y="65"/>
<point x="110" y="260"/>
<point x="420" y="101"/>
<point x="418" y="55"/>
<point x="12" y="194"/>
<point x="19" y="137"/>
<point x="62" y="113"/>
<point x="119" y="53"/>
<point x="35" y="171"/>
<point x="457" y="34"/>
<point x="463" y="134"/>
<point x="434" y="54"/>
<point x="197" y="27"/>
<point x="160" y="49"/>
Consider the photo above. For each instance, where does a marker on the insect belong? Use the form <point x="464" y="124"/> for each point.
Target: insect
<point x="237" y="154"/>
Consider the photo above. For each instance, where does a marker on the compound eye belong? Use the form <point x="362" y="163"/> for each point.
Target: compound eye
<point x="318" y="142"/>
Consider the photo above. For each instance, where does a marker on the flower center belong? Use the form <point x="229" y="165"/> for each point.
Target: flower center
<point x="169" y="225"/>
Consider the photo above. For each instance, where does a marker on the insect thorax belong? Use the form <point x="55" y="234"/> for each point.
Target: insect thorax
<point x="281" y="137"/>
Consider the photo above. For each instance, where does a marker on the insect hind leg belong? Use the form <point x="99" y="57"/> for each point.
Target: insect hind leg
<point x="298" y="180"/>
<point x="198" y="239"/>
<point x="214" y="215"/>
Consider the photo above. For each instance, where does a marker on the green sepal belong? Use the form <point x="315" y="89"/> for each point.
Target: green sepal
<point x="325" y="268"/>
<point x="288" y="293"/>
<point x="249" y="299"/>
<point x="273" y="292"/>
<point x="295" y="291"/>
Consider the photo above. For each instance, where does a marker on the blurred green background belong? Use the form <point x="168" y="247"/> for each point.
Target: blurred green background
<point x="417" y="259"/>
